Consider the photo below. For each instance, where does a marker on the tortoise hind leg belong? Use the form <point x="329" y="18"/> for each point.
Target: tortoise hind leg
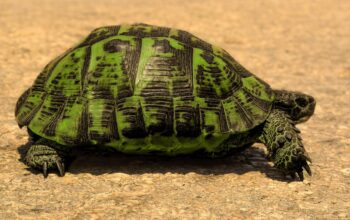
<point x="46" y="155"/>
<point x="284" y="144"/>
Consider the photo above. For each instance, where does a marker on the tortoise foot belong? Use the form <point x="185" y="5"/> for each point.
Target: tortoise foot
<point x="293" y="160"/>
<point x="45" y="158"/>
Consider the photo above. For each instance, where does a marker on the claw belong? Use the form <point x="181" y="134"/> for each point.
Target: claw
<point x="45" y="169"/>
<point x="296" y="130"/>
<point x="307" y="168"/>
<point x="301" y="175"/>
<point x="60" y="167"/>
<point x="307" y="157"/>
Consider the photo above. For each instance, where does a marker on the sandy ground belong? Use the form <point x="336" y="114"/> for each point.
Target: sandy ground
<point x="296" y="45"/>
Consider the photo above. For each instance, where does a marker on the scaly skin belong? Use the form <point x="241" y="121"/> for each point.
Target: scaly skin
<point x="46" y="155"/>
<point x="284" y="144"/>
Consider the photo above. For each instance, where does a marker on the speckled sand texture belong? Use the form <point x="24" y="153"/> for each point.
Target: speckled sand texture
<point x="296" y="45"/>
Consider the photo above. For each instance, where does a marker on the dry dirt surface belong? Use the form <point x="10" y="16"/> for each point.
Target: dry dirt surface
<point x="296" y="45"/>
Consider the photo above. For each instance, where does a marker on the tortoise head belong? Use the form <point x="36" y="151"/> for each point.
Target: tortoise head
<point x="298" y="105"/>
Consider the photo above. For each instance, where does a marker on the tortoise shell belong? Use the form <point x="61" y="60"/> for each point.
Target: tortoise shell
<point x="141" y="88"/>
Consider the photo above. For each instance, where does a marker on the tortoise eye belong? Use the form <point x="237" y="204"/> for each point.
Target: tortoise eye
<point x="301" y="102"/>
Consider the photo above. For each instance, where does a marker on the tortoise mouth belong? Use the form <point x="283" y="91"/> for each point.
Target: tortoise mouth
<point x="303" y="119"/>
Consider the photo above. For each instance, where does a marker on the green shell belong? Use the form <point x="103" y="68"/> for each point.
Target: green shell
<point x="141" y="88"/>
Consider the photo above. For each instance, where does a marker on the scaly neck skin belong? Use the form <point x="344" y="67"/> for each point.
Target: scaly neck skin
<point x="284" y="101"/>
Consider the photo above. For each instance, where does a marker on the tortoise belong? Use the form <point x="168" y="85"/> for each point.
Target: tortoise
<point x="144" y="89"/>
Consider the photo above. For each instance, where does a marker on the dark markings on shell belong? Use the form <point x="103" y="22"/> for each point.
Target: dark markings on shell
<point x="43" y="76"/>
<point x="50" y="128"/>
<point x="113" y="125"/>
<point x="195" y="42"/>
<point x="177" y="68"/>
<point x="183" y="84"/>
<point x="191" y="40"/>
<point x="260" y="103"/>
<point x="242" y="111"/>
<point x="166" y="97"/>
<point x="188" y="121"/>
<point x="207" y="128"/>
<point x="102" y="92"/>
<point x="134" y="116"/>
<point x="22" y="100"/>
<point x="160" y="109"/>
<point x="205" y="89"/>
<point x="100" y="34"/>
<point x="83" y="137"/>
<point x="42" y="80"/>
<point x="141" y="30"/>
<point x="124" y="92"/>
<point x="155" y="88"/>
<point x="115" y="45"/>
<point x="223" y="119"/>
<point x="84" y="70"/>
<point x="107" y="123"/>
<point x="131" y="61"/>
<point x="169" y="121"/>
<point x="239" y="69"/>
<point x="236" y="84"/>
<point x="227" y="56"/>
<point x="35" y="107"/>
<point x="209" y="57"/>
<point x="212" y="103"/>
<point x="129" y="64"/>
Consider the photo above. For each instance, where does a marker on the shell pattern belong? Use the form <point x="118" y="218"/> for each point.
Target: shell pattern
<point x="141" y="88"/>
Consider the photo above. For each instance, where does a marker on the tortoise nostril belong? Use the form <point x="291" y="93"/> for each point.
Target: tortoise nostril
<point x="301" y="102"/>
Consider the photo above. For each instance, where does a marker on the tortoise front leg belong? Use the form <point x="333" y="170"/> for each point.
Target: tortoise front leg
<point x="284" y="144"/>
<point x="46" y="155"/>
